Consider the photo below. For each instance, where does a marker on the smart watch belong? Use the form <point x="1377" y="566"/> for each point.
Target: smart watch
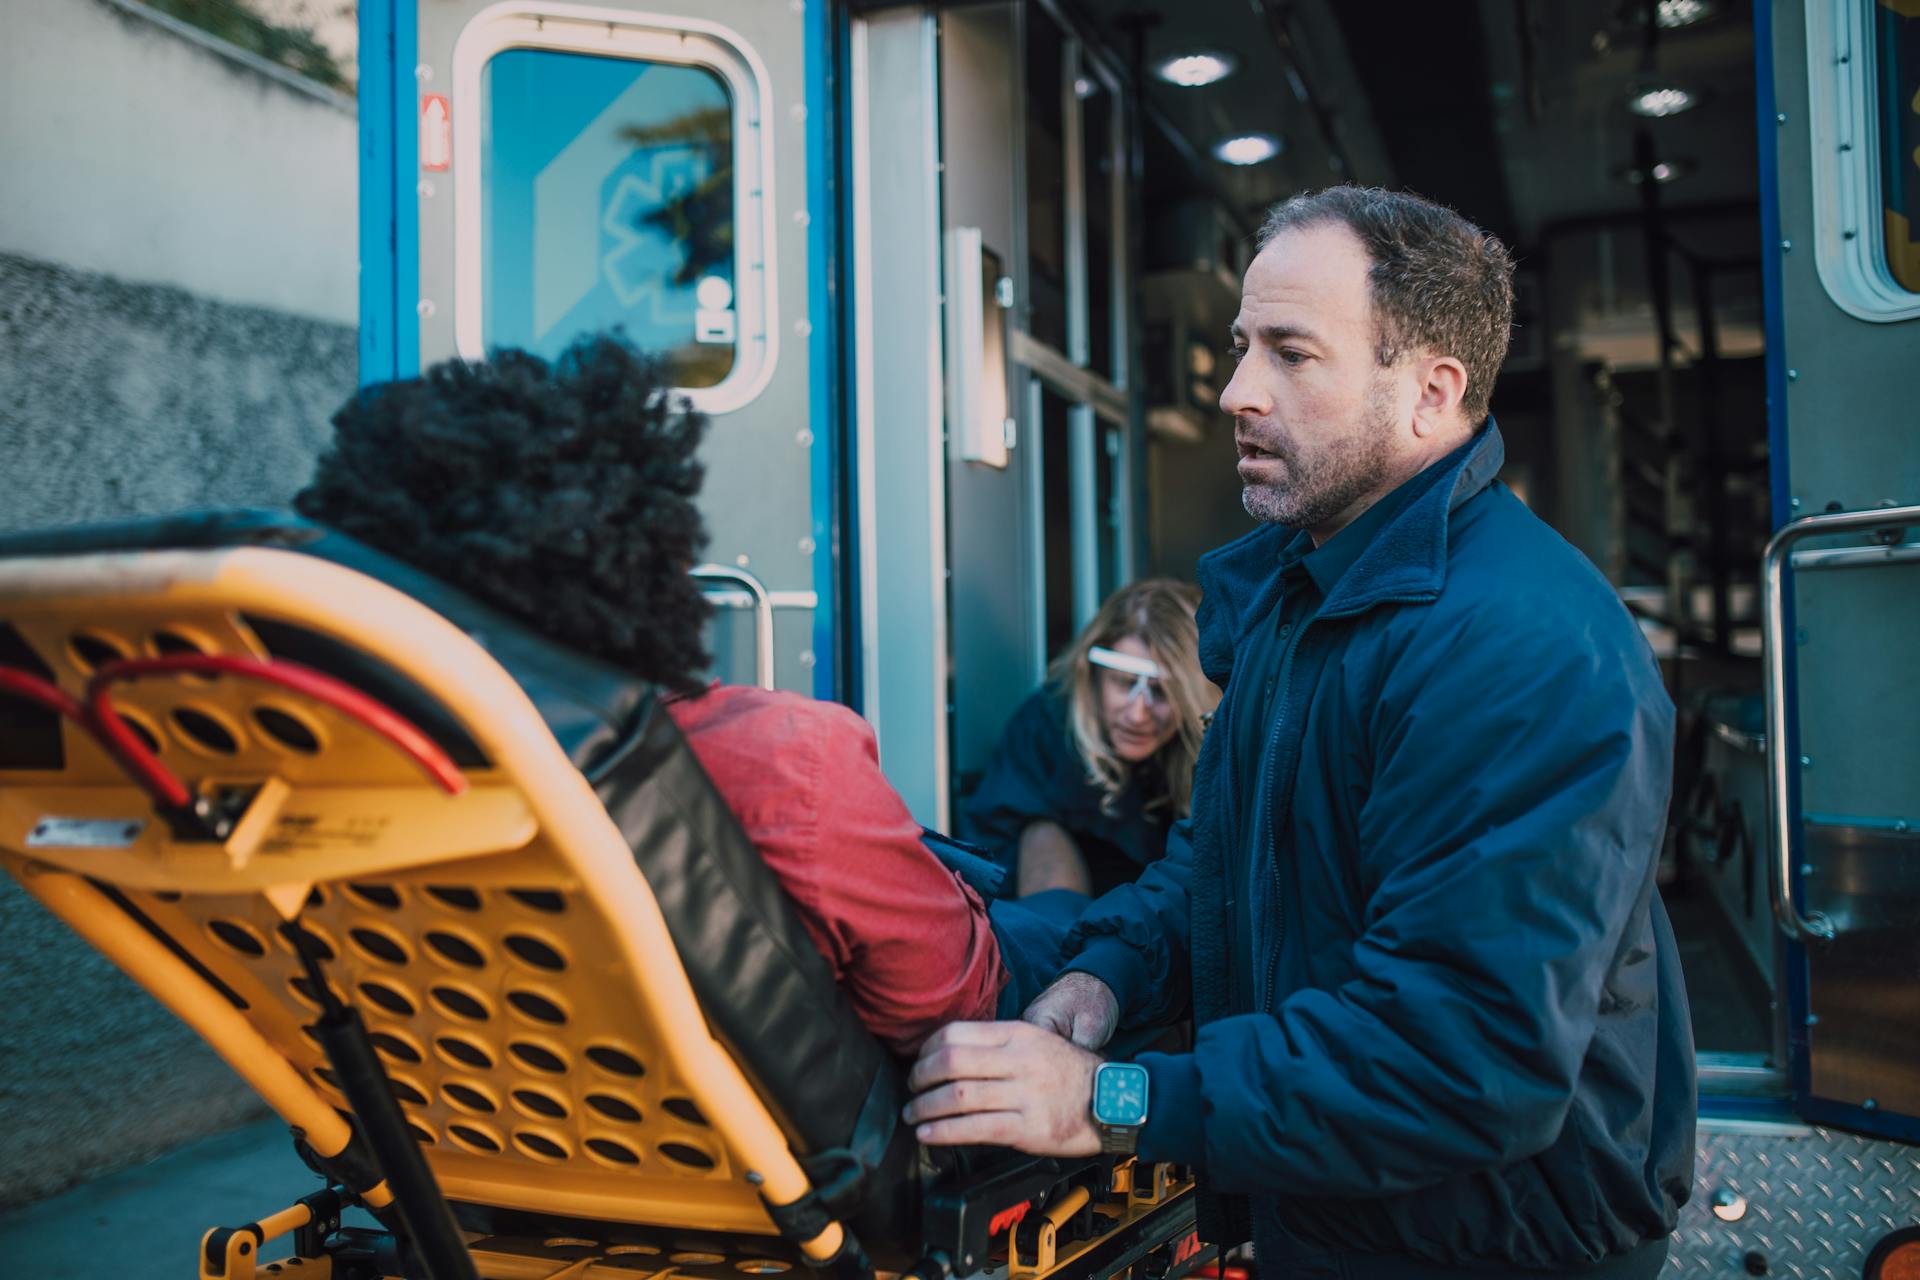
<point x="1119" y="1105"/>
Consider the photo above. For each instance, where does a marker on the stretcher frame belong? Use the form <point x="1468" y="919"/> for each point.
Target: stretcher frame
<point x="196" y="911"/>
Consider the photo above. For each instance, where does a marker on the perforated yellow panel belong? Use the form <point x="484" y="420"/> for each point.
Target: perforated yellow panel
<point x="506" y="954"/>
<point x="511" y="1034"/>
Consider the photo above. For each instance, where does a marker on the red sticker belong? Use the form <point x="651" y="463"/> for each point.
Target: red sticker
<point x="436" y="133"/>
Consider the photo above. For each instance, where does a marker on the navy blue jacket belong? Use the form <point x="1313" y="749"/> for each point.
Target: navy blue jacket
<point x="1474" y="1045"/>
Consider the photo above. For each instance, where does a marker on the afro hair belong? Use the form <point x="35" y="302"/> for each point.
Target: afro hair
<point x="561" y="493"/>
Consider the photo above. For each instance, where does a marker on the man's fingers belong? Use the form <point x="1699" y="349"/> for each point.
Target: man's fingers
<point x="982" y="1128"/>
<point x="967" y="1033"/>
<point x="957" y="1062"/>
<point x="963" y="1097"/>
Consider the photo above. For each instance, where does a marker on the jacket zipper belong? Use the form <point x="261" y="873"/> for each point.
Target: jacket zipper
<point x="1284" y="689"/>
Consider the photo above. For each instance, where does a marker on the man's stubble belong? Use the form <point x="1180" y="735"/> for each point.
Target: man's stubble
<point x="1327" y="480"/>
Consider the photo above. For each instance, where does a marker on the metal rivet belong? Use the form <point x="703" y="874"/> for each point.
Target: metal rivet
<point x="1806" y="762"/>
<point x="1870" y="1105"/>
<point x="1793" y="375"/>
<point x="1813" y="1019"/>
<point x="802" y="328"/>
<point x="1902" y="825"/>
<point x="1781" y="118"/>
<point x="799" y="112"/>
<point x="806" y="658"/>
<point x="422" y="72"/>
<point x="425" y="307"/>
<point x="742" y="560"/>
<point x="426" y="188"/>
<point x="1786" y="246"/>
<point x="1795" y="504"/>
<point x="806" y="546"/>
<point x="801" y="217"/>
<point x="1806" y="868"/>
<point x="803" y="438"/>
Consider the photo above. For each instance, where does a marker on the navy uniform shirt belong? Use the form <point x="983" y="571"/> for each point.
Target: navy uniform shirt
<point x="1037" y="775"/>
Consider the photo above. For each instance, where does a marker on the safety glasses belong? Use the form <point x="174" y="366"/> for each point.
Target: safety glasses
<point x="1144" y="672"/>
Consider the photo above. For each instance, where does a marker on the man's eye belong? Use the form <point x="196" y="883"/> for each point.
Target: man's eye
<point x="1291" y="357"/>
<point x="1238" y="351"/>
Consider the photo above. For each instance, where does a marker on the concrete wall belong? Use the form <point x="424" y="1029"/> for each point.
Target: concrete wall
<point x="177" y="298"/>
<point x="135" y="147"/>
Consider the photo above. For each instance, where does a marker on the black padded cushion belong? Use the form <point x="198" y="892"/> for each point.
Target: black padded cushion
<point x="766" y="989"/>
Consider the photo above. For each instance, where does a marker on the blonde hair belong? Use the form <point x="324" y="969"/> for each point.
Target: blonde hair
<point x="1160" y="612"/>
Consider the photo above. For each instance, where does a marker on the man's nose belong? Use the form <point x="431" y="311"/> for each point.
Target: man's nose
<point x="1243" y="394"/>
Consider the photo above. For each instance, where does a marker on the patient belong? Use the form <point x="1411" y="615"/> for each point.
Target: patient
<point x="563" y="494"/>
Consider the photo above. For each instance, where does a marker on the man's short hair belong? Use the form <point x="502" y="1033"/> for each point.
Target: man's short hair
<point x="1438" y="283"/>
<point x="561" y="493"/>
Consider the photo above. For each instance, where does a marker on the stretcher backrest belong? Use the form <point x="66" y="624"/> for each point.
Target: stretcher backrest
<point x="512" y="949"/>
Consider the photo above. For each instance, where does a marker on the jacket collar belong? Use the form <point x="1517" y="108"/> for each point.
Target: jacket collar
<point x="1406" y="560"/>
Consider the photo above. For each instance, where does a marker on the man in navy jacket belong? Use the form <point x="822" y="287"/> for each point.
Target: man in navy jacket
<point x="1440" y="1022"/>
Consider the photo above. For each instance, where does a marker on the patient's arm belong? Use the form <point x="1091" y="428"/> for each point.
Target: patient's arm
<point x="1049" y="859"/>
<point x="908" y="943"/>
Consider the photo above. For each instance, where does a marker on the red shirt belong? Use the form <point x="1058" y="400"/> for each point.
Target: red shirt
<point x="908" y="942"/>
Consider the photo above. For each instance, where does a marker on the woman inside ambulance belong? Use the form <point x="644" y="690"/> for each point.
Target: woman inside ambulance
<point x="563" y="495"/>
<point x="1097" y="764"/>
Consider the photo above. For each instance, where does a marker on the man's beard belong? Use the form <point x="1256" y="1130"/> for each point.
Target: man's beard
<point x="1325" y="480"/>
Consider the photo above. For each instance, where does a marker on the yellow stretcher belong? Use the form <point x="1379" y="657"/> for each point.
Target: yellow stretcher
<point x="307" y="799"/>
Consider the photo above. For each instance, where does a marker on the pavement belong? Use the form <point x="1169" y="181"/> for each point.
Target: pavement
<point x="146" y="1222"/>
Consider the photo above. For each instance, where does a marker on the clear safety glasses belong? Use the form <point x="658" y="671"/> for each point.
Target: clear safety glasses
<point x="1139" y="676"/>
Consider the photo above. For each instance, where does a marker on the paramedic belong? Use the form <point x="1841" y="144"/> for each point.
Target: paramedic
<point x="1098" y="762"/>
<point x="1440" y="1027"/>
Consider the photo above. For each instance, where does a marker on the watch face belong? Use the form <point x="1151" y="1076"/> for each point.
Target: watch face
<point x="1120" y="1094"/>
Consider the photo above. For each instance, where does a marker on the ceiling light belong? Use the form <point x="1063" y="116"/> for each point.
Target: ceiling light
<point x="1664" y="171"/>
<point x="1193" y="70"/>
<point x="1657" y="101"/>
<point x="1248" y="148"/>
<point x="1682" y="13"/>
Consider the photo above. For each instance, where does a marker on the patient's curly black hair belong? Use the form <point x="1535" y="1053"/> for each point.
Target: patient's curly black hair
<point x="561" y="493"/>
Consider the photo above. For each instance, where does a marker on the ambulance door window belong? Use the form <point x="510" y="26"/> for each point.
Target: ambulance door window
<point x="1099" y="106"/>
<point x="1046" y="179"/>
<point x="1056" y="512"/>
<point x="1109" y="513"/>
<point x="607" y="201"/>
<point x="1897" y="46"/>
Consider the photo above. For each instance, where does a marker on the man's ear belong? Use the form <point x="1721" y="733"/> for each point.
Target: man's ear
<point x="1442" y="387"/>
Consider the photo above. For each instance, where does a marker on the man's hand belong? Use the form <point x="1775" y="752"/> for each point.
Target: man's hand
<point x="1079" y="1007"/>
<point x="1007" y="1084"/>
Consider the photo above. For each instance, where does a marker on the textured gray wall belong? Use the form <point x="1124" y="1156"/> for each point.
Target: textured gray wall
<point x="119" y="400"/>
<point x="125" y="399"/>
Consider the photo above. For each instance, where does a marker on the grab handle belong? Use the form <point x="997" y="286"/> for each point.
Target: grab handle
<point x="1814" y="925"/>
<point x="762" y="613"/>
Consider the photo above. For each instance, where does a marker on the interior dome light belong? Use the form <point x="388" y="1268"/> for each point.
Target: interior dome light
<point x="1248" y="148"/>
<point x="1682" y="13"/>
<point x="1193" y="70"/>
<point x="1663" y="171"/>
<point x="1657" y="101"/>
